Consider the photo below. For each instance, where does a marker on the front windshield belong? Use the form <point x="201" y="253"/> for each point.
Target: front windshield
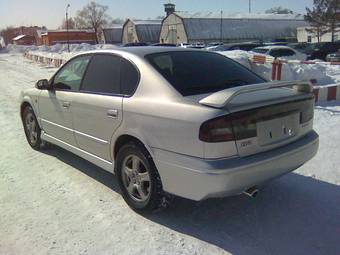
<point x="193" y="73"/>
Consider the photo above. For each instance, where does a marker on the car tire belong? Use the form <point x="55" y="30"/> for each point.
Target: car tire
<point x="32" y="128"/>
<point x="138" y="179"/>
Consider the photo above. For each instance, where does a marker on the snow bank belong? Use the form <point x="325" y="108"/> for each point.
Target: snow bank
<point x="240" y="56"/>
<point x="319" y="71"/>
<point x="57" y="50"/>
<point x="322" y="72"/>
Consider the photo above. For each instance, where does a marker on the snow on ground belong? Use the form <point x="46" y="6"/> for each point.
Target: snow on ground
<point x="53" y="202"/>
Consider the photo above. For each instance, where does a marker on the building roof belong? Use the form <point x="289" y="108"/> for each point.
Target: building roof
<point x="146" y="22"/>
<point x="113" y="34"/>
<point x="19" y="37"/>
<point x="70" y="31"/>
<point x="240" y="27"/>
<point x="40" y="32"/>
<point x="217" y="15"/>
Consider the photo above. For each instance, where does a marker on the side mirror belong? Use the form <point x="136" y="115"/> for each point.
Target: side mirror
<point x="43" y="84"/>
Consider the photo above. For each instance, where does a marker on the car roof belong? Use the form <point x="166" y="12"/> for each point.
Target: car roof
<point x="141" y="51"/>
<point x="242" y="43"/>
<point x="274" y="47"/>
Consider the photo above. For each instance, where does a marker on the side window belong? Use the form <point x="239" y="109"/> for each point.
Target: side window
<point x="282" y="53"/>
<point x="275" y="53"/>
<point x="290" y="53"/>
<point x="129" y="78"/>
<point x="70" y="76"/>
<point x="103" y="75"/>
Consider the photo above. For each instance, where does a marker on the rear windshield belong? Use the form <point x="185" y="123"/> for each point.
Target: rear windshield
<point x="260" y="50"/>
<point x="195" y="72"/>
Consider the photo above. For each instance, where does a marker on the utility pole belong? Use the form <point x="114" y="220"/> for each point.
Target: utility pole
<point x="249" y="6"/>
<point x="221" y="27"/>
<point x="67" y="35"/>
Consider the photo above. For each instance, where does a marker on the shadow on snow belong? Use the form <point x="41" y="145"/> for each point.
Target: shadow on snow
<point x="292" y="215"/>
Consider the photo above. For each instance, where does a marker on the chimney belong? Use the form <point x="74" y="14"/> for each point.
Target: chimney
<point x="169" y="8"/>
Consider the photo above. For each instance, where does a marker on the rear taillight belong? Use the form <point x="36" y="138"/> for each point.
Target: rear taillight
<point x="217" y="130"/>
<point x="307" y="113"/>
<point x="228" y="128"/>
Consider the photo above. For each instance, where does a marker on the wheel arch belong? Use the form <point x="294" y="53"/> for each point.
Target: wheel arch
<point x="126" y="138"/>
<point x="23" y="105"/>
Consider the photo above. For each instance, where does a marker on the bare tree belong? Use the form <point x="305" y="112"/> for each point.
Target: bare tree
<point x="71" y="24"/>
<point x="93" y="16"/>
<point x="324" y="18"/>
<point x="279" y="10"/>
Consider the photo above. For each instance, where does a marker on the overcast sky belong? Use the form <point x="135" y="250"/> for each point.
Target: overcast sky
<point x="51" y="12"/>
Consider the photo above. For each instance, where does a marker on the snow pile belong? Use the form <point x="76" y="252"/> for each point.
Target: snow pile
<point x="318" y="71"/>
<point x="239" y="56"/>
<point x="57" y="50"/>
<point x="11" y="48"/>
<point x="321" y="71"/>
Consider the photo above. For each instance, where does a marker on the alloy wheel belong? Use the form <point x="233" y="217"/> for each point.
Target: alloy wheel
<point x="136" y="178"/>
<point x="31" y="128"/>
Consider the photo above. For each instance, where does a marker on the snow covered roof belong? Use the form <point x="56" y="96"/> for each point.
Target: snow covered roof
<point x="18" y="37"/>
<point x="70" y="30"/>
<point x="147" y="22"/>
<point x="113" y="34"/>
<point x="241" y="26"/>
<point x="40" y="32"/>
<point x="217" y="15"/>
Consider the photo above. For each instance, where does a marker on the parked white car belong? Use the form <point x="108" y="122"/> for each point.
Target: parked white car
<point x="171" y="121"/>
<point x="282" y="52"/>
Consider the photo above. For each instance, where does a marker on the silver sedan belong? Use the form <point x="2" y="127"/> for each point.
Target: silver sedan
<point x="172" y="121"/>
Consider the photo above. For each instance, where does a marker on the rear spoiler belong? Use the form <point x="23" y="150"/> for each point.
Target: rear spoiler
<point x="222" y="98"/>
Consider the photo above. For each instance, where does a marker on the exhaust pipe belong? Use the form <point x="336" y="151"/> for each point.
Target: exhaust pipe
<point x="252" y="192"/>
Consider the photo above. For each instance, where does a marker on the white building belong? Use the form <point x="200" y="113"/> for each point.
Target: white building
<point x="146" y="31"/>
<point x="182" y="27"/>
<point x="305" y="36"/>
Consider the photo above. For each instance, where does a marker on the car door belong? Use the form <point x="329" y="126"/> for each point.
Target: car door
<point x="97" y="109"/>
<point x="55" y="104"/>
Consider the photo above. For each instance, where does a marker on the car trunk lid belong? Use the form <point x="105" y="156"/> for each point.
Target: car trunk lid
<point x="266" y="116"/>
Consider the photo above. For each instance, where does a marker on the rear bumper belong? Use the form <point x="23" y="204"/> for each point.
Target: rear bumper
<point x="198" y="179"/>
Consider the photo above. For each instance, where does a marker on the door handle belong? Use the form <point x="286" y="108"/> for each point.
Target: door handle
<point x="66" y="104"/>
<point x="112" y="114"/>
